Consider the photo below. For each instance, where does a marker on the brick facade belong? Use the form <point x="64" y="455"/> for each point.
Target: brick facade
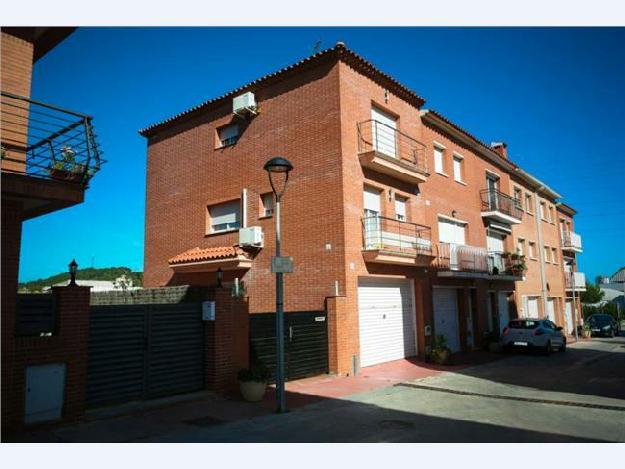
<point x="310" y="114"/>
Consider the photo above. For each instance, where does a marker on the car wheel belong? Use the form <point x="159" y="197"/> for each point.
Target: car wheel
<point x="547" y="350"/>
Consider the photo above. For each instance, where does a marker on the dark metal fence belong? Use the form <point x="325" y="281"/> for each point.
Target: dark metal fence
<point x="496" y="201"/>
<point x="390" y="142"/>
<point x="388" y="234"/>
<point x="36" y="315"/>
<point x="46" y="141"/>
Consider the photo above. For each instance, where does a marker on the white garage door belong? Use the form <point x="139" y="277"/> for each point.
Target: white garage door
<point x="532" y="307"/>
<point x="386" y="320"/>
<point x="504" y="311"/>
<point x="445" y="302"/>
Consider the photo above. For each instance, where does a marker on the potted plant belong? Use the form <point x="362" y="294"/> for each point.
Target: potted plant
<point x="440" y="353"/>
<point x="253" y="381"/>
<point x="519" y="267"/>
<point x="586" y="332"/>
<point x="66" y="168"/>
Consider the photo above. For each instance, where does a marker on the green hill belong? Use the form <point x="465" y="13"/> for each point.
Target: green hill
<point x="106" y="273"/>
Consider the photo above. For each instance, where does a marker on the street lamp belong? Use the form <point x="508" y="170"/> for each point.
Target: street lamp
<point x="278" y="168"/>
<point x="73" y="268"/>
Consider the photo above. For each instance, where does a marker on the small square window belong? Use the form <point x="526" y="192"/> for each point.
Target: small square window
<point x="266" y="205"/>
<point x="228" y="135"/>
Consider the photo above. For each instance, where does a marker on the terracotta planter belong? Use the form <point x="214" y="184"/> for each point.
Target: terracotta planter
<point x="252" y="391"/>
<point x="441" y="357"/>
<point x="62" y="175"/>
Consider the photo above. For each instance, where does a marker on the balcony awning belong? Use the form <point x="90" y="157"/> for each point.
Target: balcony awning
<point x="211" y="259"/>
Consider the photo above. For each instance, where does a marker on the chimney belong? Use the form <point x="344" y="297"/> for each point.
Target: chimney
<point x="501" y="148"/>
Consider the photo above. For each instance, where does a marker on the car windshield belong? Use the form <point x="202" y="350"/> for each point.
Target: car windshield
<point x="600" y="320"/>
<point x="523" y="324"/>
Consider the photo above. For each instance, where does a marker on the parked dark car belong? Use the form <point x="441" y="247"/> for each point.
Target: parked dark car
<point x="603" y="325"/>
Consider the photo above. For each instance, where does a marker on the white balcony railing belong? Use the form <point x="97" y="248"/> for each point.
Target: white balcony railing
<point x="571" y="240"/>
<point x="577" y="280"/>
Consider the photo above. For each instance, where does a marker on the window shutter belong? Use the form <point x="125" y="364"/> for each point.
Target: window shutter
<point x="400" y="208"/>
<point x="372" y="199"/>
<point x="229" y="213"/>
<point x="438" y="160"/>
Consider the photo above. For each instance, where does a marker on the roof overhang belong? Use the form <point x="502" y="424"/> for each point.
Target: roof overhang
<point x="44" y="39"/>
<point x="210" y="260"/>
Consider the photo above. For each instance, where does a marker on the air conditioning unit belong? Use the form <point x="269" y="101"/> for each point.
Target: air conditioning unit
<point x="244" y="104"/>
<point x="251" y="236"/>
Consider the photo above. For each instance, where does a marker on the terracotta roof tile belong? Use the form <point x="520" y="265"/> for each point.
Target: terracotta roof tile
<point x="339" y="51"/>
<point x="207" y="254"/>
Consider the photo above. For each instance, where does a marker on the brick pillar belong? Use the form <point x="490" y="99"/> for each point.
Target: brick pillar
<point x="69" y="345"/>
<point x="340" y="348"/>
<point x="227" y="341"/>
<point x="482" y="297"/>
<point x="11" y="240"/>
<point x="425" y="313"/>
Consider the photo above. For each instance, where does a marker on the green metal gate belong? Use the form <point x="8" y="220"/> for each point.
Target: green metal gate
<point x="144" y="351"/>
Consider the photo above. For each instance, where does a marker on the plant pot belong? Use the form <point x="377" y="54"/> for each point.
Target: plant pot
<point x="252" y="391"/>
<point x="586" y="334"/>
<point x="441" y="357"/>
<point x="62" y="175"/>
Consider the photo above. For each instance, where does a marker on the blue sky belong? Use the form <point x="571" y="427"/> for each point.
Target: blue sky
<point x="556" y="96"/>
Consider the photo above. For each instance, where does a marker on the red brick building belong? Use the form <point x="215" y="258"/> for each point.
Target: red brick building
<point x="400" y="222"/>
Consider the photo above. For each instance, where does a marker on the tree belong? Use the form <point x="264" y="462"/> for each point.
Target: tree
<point x="593" y="294"/>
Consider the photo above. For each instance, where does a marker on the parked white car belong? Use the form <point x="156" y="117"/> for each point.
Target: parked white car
<point x="533" y="333"/>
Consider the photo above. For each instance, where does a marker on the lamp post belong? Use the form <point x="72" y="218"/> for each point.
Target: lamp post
<point x="73" y="268"/>
<point x="278" y="168"/>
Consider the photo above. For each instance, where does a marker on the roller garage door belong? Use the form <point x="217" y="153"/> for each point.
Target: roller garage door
<point x="445" y="301"/>
<point x="386" y="320"/>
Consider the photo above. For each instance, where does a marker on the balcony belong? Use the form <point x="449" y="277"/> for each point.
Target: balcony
<point x="461" y="260"/>
<point x="571" y="241"/>
<point x="386" y="150"/>
<point x="49" y="154"/>
<point x="500" y="207"/>
<point x="577" y="280"/>
<point x="390" y="241"/>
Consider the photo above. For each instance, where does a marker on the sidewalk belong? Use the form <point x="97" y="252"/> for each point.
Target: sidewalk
<point x="142" y="421"/>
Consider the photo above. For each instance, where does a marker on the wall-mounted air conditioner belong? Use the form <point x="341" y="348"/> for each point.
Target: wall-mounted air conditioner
<point x="244" y="104"/>
<point x="251" y="236"/>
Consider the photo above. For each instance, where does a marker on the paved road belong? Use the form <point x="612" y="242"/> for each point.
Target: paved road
<point x="575" y="396"/>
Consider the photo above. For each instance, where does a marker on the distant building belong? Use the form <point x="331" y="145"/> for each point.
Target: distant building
<point x="120" y="283"/>
<point x="613" y="288"/>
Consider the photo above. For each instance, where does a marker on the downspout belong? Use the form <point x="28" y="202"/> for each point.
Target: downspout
<point x="541" y="249"/>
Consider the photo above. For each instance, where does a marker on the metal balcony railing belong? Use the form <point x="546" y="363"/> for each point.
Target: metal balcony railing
<point x="395" y="236"/>
<point x="571" y="240"/>
<point x="384" y="139"/>
<point x="496" y="201"/>
<point x="462" y="258"/>
<point x="46" y="141"/>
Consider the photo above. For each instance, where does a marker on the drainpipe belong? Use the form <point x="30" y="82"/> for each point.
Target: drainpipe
<point x="541" y="247"/>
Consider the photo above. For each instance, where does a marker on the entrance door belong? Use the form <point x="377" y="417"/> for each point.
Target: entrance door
<point x="568" y="316"/>
<point x="386" y="320"/>
<point x="453" y="234"/>
<point x="551" y="309"/>
<point x="504" y="311"/>
<point x="492" y="184"/>
<point x="446" y="316"/>
<point x="384" y="132"/>
<point x="495" y="246"/>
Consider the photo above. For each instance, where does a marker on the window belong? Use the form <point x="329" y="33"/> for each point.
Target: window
<point x="439" y="167"/>
<point x="372" y="204"/>
<point x="458" y="168"/>
<point x="451" y="232"/>
<point x="543" y="210"/>
<point x="266" y="205"/>
<point x="224" y="217"/>
<point x="550" y="214"/>
<point x="531" y="250"/>
<point x="546" y="253"/>
<point x="518" y="197"/>
<point x="384" y="132"/>
<point x="528" y="203"/>
<point x="400" y="208"/>
<point x="520" y="246"/>
<point x="228" y="135"/>
<point x="554" y="255"/>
